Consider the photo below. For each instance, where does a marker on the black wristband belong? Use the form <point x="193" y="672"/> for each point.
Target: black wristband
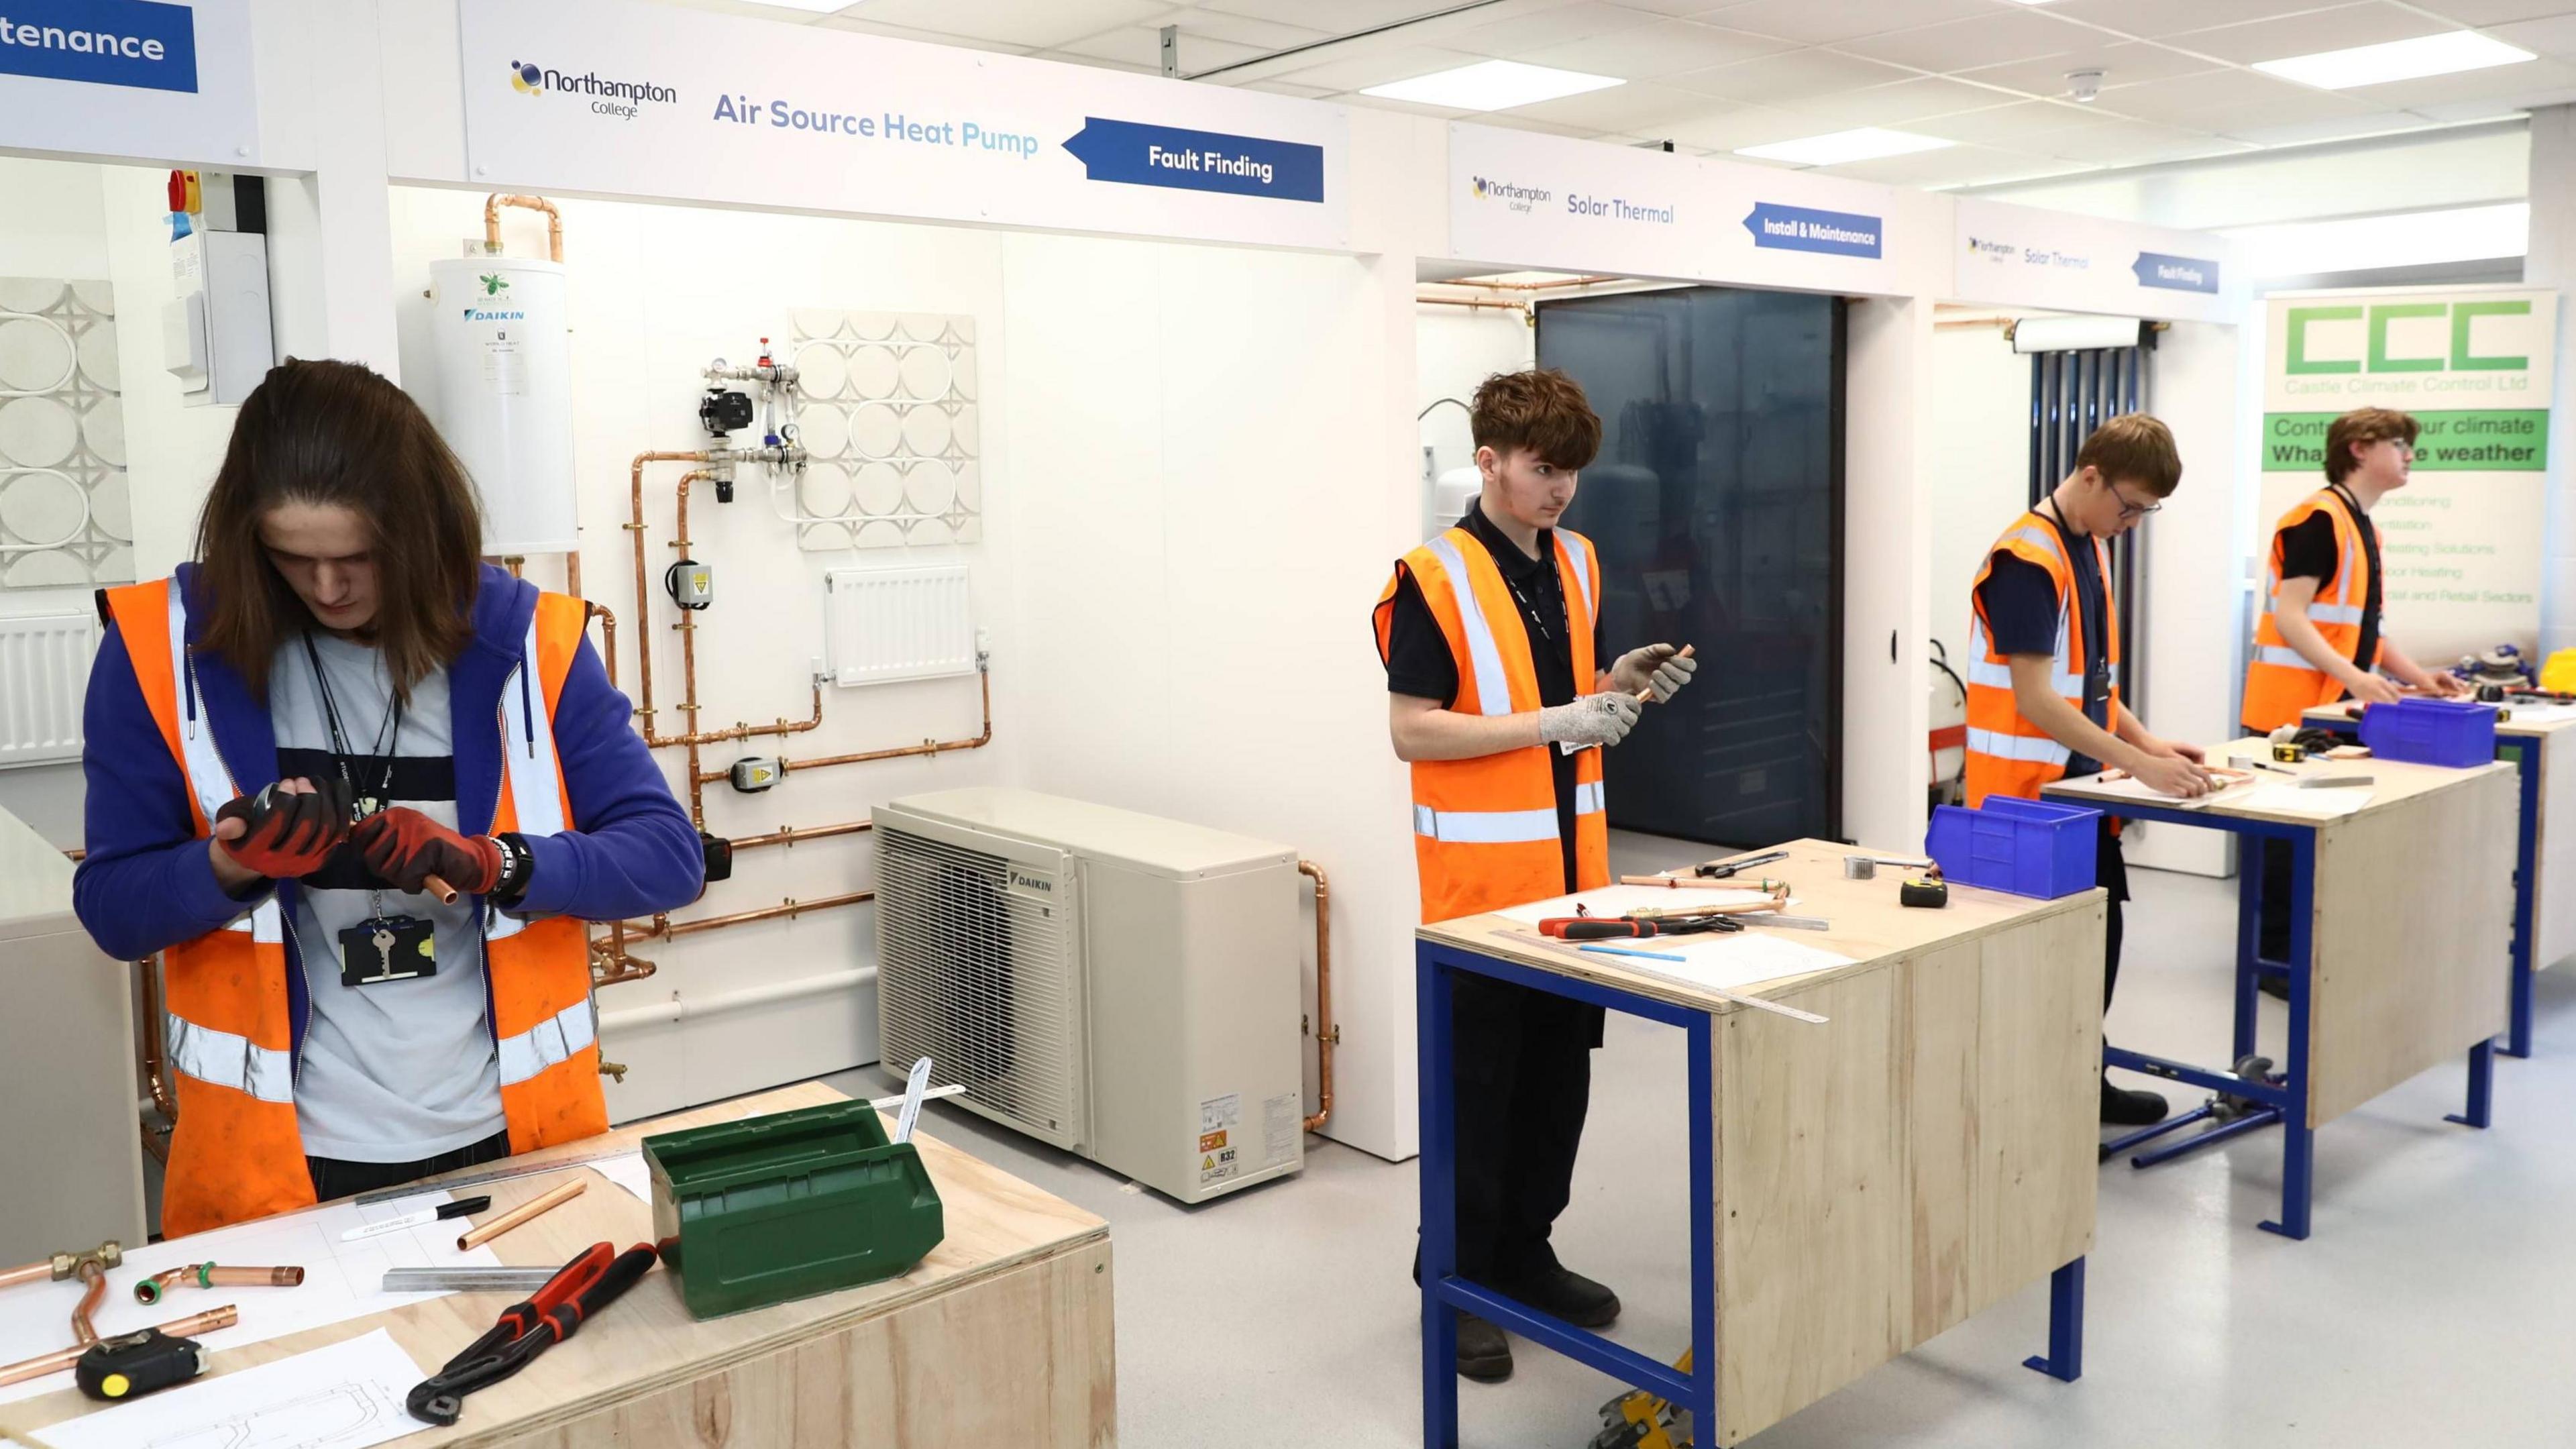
<point x="517" y="863"/>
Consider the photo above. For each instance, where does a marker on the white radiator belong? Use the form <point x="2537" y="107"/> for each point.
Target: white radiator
<point x="884" y="625"/>
<point x="44" y="673"/>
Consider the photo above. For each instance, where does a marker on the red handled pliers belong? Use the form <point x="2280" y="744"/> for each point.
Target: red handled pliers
<point x="579" y="1289"/>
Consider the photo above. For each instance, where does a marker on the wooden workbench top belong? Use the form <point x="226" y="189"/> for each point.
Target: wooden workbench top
<point x="646" y="1341"/>
<point x="2392" y="784"/>
<point x="2331" y="715"/>
<point x="1868" y="925"/>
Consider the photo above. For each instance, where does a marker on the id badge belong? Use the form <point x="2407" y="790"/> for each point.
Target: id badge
<point x="387" y="948"/>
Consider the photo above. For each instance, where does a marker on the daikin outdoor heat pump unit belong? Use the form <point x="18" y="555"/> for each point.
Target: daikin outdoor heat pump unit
<point x="1121" y="986"/>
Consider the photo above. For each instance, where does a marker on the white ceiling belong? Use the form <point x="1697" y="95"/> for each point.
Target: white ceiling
<point x="1714" y="75"/>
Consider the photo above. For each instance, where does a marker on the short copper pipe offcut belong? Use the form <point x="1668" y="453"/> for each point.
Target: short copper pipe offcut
<point x="208" y="1275"/>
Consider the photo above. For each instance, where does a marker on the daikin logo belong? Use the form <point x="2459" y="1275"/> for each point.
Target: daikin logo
<point x="620" y="98"/>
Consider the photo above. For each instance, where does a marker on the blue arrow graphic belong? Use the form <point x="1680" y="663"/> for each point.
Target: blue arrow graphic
<point x="2176" y="274"/>
<point x="1804" y="229"/>
<point x="1143" y="155"/>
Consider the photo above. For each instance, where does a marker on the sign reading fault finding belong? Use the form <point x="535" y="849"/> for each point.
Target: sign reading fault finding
<point x="643" y="100"/>
<point x="2463" y="550"/>
<point x="1517" y="199"/>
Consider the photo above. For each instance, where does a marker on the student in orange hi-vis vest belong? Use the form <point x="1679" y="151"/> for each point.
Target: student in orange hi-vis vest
<point x="2043" y="660"/>
<point x="2320" y="638"/>
<point x="1500" y="701"/>
<point x="333" y="703"/>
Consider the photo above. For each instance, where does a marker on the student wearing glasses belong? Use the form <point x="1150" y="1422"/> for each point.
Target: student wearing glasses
<point x="2320" y="638"/>
<point x="2044" y="652"/>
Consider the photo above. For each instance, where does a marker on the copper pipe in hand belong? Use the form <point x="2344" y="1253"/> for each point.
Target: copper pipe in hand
<point x="492" y="205"/>
<point x="438" y="887"/>
<point x="1647" y="694"/>
<point x="1327" y="1036"/>
<point x="208" y="1275"/>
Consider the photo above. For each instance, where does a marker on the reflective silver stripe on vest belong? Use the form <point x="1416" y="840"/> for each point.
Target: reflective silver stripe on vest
<point x="228" y="1060"/>
<point x="2335" y="613"/>
<point x="1485" y="827"/>
<point x="1580" y="552"/>
<point x="1493" y="688"/>
<point x="531" y="760"/>
<point x="2284" y="657"/>
<point x="208" y="780"/>
<point x="265" y="923"/>
<point x="1588" y="798"/>
<point x="2031" y="748"/>
<point x="549" y="1042"/>
<point x="1997" y="674"/>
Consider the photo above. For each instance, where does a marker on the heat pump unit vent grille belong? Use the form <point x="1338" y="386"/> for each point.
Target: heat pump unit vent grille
<point x="975" y="973"/>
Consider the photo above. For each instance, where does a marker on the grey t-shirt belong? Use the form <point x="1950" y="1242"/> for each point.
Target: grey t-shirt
<point x="404" y="1070"/>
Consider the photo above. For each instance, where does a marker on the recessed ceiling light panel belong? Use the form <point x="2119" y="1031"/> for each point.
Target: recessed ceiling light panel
<point x="2371" y="65"/>
<point x="1493" y="85"/>
<point x="1866" y="144"/>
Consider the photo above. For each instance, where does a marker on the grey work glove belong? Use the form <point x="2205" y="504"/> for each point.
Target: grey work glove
<point x="1658" y="667"/>
<point x="1595" y="719"/>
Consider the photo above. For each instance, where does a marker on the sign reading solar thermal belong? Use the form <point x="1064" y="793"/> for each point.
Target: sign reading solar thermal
<point x="644" y="100"/>
<point x="2021" y="256"/>
<point x="2472" y="365"/>
<point x="146" y="79"/>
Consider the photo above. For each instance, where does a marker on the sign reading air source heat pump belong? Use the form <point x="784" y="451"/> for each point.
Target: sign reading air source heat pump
<point x="1118" y="985"/>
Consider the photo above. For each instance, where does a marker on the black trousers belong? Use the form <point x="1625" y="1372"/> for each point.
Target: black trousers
<point x="334" y="1178"/>
<point x="2272" y="934"/>
<point x="1523" y="1067"/>
<point x="2111" y="873"/>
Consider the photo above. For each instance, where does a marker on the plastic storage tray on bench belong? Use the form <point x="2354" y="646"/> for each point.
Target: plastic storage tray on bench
<point x="2431" y="732"/>
<point x="2028" y="847"/>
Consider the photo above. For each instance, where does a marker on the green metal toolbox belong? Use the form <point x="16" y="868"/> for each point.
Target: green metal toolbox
<point x="789" y="1205"/>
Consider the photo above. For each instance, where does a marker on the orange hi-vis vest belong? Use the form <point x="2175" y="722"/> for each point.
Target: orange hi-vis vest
<point x="2280" y="684"/>
<point x="1485" y="830"/>
<point x="2008" y="754"/>
<point x="231" y="1037"/>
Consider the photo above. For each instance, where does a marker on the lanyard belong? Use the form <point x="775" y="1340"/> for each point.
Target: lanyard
<point x="387" y="740"/>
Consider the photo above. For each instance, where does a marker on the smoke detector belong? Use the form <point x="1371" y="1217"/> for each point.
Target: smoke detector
<point x="2084" y="85"/>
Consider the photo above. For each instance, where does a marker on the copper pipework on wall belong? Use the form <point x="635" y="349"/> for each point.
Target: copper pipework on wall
<point x="209" y="1275"/>
<point x="663" y="927"/>
<point x="1327" y="1035"/>
<point x="213" y="1320"/>
<point x="789" y="835"/>
<point x="635" y="529"/>
<point x="926" y="747"/>
<point x="1550" y="286"/>
<point x="492" y="205"/>
<point x="607" y="640"/>
<point x="1472" y="302"/>
<point x="572" y="573"/>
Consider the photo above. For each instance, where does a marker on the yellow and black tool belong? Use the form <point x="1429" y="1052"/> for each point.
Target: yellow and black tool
<point x="1640" y="1420"/>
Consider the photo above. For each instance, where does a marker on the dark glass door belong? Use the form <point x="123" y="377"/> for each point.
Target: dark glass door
<point x="1717" y="506"/>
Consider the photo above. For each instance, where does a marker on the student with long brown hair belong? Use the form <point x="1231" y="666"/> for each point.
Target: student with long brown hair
<point x="292" y="746"/>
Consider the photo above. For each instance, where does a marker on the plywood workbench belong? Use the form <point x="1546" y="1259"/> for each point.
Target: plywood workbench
<point x="1857" y="1186"/>
<point x="1000" y="1336"/>
<point x="2401" y="919"/>
<point x="2544" y="868"/>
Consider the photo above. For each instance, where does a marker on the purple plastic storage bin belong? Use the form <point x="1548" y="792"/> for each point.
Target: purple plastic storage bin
<point x="2028" y="847"/>
<point x="2431" y="732"/>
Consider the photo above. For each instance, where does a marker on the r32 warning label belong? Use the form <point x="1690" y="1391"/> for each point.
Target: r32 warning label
<point x="1220" y="1125"/>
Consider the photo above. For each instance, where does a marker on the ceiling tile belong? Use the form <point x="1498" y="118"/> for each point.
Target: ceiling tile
<point x="1990" y="39"/>
<point x="1789" y="76"/>
<point x="2122" y="63"/>
<point x="2374" y="123"/>
<point x="2183" y="97"/>
<point x="1359" y="67"/>
<point x="1820" y="22"/>
<point x="905" y="32"/>
<point x="1239" y="29"/>
<point x="1552" y="26"/>
<point x="1639" y="108"/>
<point x="1142" y="45"/>
<point x="1665" y="47"/>
<point x="1723" y="128"/>
<point x="2494" y="12"/>
<point x="2135" y="143"/>
<point x="2172" y="17"/>
<point x="2021" y="126"/>
<point x="1040" y="24"/>
<point x="1291" y="88"/>
<point x="1337" y="17"/>
<point x="1067" y="57"/>
<point x="2553" y="36"/>
<point x="1513" y="120"/>
<point x="1893" y="105"/>
<point x="1953" y="166"/>
<point x="2340" y="28"/>
<point x="2522" y="83"/>
<point x="1410" y="108"/>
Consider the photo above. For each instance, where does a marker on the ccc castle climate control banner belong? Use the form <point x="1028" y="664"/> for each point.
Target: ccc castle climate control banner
<point x="2473" y="365"/>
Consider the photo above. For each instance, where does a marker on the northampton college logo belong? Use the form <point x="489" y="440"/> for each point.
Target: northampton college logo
<point x="527" y="80"/>
<point x="620" y="98"/>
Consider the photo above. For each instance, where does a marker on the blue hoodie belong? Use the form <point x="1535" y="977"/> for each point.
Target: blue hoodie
<point x="146" y="882"/>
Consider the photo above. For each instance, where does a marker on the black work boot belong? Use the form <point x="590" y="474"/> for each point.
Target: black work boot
<point x="2124" y="1108"/>
<point x="1484" y="1354"/>
<point x="1551" y="1288"/>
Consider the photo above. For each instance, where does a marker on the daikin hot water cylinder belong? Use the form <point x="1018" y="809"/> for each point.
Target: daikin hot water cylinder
<point x="505" y="394"/>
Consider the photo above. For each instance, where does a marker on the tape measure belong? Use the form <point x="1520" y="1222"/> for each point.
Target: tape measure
<point x="135" y="1364"/>
<point x="1927" y="891"/>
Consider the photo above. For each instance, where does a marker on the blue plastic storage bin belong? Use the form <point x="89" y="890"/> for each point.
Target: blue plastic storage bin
<point x="2431" y="732"/>
<point x="2028" y="847"/>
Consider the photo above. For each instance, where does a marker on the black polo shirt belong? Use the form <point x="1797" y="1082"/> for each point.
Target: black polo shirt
<point x="1419" y="665"/>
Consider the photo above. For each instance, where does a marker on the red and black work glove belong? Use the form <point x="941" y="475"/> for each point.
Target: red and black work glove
<point x="285" y="835"/>
<point x="406" y="848"/>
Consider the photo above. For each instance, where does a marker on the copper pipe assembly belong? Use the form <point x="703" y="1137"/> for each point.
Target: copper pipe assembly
<point x="62" y="1267"/>
<point x="664" y="928"/>
<point x="213" y="1320"/>
<point x="1327" y="1035"/>
<point x="492" y="205"/>
<point x="1557" y="284"/>
<point x="208" y="1275"/>
<point x="926" y="747"/>
<point x="789" y="835"/>
<point x="154" y="1069"/>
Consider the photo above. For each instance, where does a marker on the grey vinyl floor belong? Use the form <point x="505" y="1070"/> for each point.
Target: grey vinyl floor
<point x="2435" y="1304"/>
